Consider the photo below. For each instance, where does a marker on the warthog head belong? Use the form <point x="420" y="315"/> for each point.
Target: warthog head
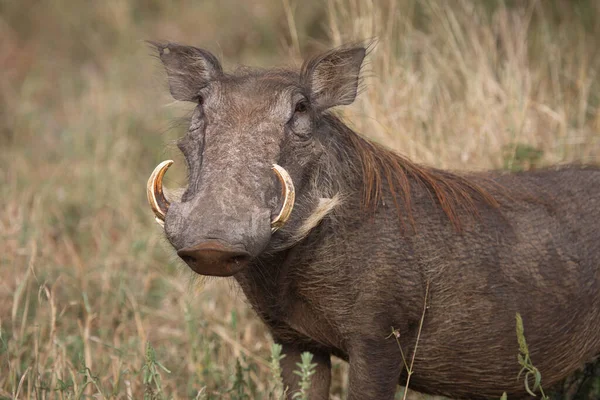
<point x="254" y="139"/>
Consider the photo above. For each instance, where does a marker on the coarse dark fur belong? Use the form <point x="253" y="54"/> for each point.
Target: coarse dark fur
<point x="373" y="232"/>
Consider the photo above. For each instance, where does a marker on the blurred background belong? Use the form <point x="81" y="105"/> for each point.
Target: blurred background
<point x="86" y="278"/>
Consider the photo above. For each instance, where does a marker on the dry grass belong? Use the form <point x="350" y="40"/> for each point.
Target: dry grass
<point x="85" y="276"/>
<point x="455" y="86"/>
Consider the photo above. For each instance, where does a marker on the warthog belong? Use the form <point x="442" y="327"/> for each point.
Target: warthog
<point x="337" y="242"/>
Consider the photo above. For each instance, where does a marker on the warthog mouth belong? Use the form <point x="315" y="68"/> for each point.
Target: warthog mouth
<point x="160" y="205"/>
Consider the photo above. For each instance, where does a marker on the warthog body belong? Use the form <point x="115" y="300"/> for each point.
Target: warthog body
<point x="373" y="238"/>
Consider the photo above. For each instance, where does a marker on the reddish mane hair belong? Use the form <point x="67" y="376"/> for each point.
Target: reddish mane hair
<point x="455" y="194"/>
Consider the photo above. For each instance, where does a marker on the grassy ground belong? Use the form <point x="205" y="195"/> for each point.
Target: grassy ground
<point x="86" y="279"/>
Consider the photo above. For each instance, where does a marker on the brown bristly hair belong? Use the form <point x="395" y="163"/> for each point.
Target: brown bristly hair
<point x="453" y="192"/>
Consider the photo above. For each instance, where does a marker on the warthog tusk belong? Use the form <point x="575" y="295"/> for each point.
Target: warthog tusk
<point x="154" y="190"/>
<point x="289" y="195"/>
<point x="160" y="205"/>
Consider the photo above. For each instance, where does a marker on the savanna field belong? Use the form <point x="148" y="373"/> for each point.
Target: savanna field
<point x="94" y="302"/>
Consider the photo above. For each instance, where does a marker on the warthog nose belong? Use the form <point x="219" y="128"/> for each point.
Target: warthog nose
<point x="214" y="258"/>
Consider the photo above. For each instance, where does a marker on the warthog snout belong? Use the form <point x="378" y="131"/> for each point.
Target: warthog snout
<point x="214" y="258"/>
<point x="228" y="226"/>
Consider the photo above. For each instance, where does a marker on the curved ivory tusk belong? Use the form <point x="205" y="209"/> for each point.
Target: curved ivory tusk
<point x="154" y="190"/>
<point x="289" y="195"/>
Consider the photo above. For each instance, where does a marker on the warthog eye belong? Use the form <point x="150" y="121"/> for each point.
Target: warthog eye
<point x="301" y="107"/>
<point x="199" y="99"/>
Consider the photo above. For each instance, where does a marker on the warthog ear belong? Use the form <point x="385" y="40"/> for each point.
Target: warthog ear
<point x="333" y="77"/>
<point x="189" y="69"/>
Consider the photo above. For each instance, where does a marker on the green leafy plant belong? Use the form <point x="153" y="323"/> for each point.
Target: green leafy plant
<point x="306" y="371"/>
<point x="243" y="387"/>
<point x="151" y="375"/>
<point x="527" y="367"/>
<point x="277" y="391"/>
